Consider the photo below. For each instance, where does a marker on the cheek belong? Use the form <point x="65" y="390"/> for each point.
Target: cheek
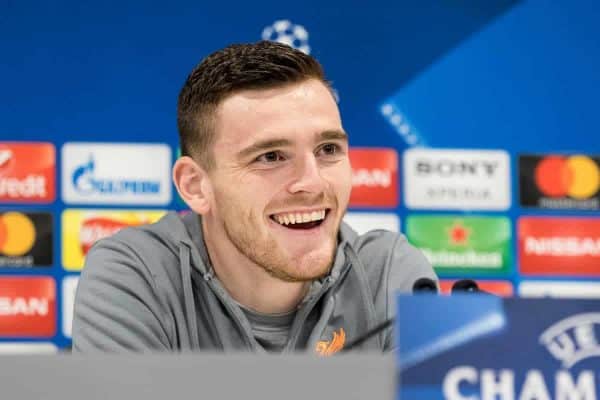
<point x="343" y="184"/>
<point x="247" y="196"/>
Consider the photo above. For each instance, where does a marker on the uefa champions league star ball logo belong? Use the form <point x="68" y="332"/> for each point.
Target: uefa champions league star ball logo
<point x="284" y="31"/>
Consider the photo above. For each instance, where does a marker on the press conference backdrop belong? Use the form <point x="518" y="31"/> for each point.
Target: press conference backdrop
<point x="473" y="128"/>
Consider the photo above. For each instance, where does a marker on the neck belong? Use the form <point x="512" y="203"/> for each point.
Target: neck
<point x="246" y="282"/>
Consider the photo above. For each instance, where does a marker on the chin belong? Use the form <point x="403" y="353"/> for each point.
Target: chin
<point x="311" y="267"/>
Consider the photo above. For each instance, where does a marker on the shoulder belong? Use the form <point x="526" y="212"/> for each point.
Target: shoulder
<point x="122" y="296"/>
<point x="143" y="246"/>
<point x="141" y="260"/>
<point x="388" y="258"/>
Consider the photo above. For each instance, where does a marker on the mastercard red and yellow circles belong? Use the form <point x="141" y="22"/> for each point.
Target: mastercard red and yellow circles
<point x="17" y="234"/>
<point x="576" y="176"/>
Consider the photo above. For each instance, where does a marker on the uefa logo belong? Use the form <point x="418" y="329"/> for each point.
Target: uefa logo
<point x="286" y="32"/>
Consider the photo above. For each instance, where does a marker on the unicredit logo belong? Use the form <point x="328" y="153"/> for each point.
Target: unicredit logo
<point x="85" y="183"/>
<point x="32" y="185"/>
<point x="5" y="156"/>
<point x="456" y="168"/>
<point x="27" y="172"/>
<point x="577" y="176"/>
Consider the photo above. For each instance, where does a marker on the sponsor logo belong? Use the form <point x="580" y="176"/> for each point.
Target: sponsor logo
<point x="69" y="286"/>
<point x="462" y="245"/>
<point x="569" y="341"/>
<point x="286" y="32"/>
<point x="457" y="179"/>
<point x="499" y="288"/>
<point x="329" y="347"/>
<point x="27" y="172"/>
<point x="25" y="239"/>
<point x="82" y="228"/>
<point x="560" y="182"/>
<point x="363" y="222"/>
<point x="116" y="173"/>
<point x="559" y="246"/>
<point x="27" y="307"/>
<point x="85" y="182"/>
<point x="573" y="339"/>
<point x="374" y="178"/>
<point x="560" y="289"/>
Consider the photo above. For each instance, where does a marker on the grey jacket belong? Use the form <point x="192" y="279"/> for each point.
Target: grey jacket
<point x="151" y="288"/>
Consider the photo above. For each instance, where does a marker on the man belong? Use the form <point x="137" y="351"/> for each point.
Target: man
<point x="263" y="262"/>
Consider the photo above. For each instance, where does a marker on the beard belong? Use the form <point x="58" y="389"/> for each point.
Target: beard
<point x="260" y="247"/>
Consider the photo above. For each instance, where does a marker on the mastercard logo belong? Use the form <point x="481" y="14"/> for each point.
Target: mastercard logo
<point x="577" y="176"/>
<point x="17" y="234"/>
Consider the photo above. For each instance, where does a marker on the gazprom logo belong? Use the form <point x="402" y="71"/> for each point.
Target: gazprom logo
<point x="573" y="339"/>
<point x="84" y="182"/>
<point x="116" y="173"/>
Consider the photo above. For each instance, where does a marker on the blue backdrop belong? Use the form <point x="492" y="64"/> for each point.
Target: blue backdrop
<point x="518" y="76"/>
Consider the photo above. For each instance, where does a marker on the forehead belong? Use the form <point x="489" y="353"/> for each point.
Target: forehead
<point x="293" y="111"/>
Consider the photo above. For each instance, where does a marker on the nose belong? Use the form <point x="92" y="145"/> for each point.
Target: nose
<point x="307" y="176"/>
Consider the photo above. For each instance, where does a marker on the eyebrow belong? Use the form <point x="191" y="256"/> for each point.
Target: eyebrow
<point x="267" y="144"/>
<point x="262" y="146"/>
<point x="333" y="135"/>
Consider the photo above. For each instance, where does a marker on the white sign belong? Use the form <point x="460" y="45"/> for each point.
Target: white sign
<point x="69" y="286"/>
<point x="457" y="179"/>
<point x="363" y="222"/>
<point x="116" y="173"/>
<point x="560" y="289"/>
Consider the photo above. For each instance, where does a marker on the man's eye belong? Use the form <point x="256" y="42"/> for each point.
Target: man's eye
<point x="270" y="157"/>
<point x="330" y="149"/>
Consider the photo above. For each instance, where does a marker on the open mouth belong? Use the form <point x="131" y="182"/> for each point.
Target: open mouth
<point x="306" y="220"/>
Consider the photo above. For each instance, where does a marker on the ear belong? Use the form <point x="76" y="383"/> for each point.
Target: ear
<point x="193" y="184"/>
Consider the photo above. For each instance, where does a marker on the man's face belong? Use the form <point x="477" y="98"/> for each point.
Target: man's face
<point x="281" y="157"/>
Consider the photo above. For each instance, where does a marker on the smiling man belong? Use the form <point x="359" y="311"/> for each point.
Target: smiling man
<point x="263" y="262"/>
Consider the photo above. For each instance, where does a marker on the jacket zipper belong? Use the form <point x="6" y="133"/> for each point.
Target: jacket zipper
<point x="235" y="313"/>
<point x="222" y="296"/>
<point x="306" y="310"/>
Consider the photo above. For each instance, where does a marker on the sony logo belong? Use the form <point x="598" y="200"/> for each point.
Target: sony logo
<point x="453" y="168"/>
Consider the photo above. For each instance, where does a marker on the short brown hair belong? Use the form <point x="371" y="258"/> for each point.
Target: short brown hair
<point x="260" y="65"/>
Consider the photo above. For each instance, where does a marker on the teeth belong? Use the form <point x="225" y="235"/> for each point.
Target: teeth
<point x="296" y="218"/>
